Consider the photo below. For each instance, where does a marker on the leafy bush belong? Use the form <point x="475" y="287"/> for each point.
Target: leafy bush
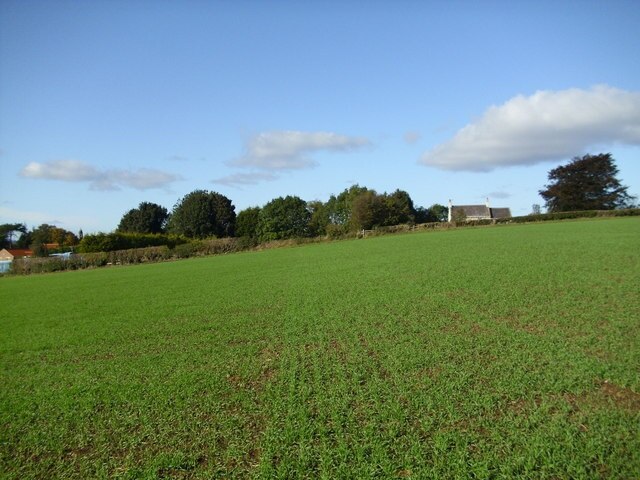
<point x="26" y="266"/>
<point x="139" y="255"/>
<point x="185" y="250"/>
<point x="477" y="223"/>
<point x="626" y="212"/>
<point x="98" y="259"/>
<point x="246" y="243"/>
<point x="218" y="246"/>
<point x="434" y="225"/>
<point x="335" y="231"/>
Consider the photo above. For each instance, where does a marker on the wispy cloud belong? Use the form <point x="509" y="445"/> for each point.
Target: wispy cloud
<point x="78" y="171"/>
<point x="497" y="194"/>
<point x="12" y="215"/>
<point x="548" y="125"/>
<point x="292" y="150"/>
<point x="411" y="137"/>
<point x="239" y="179"/>
<point x="177" y="158"/>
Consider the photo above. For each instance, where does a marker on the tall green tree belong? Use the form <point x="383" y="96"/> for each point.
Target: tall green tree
<point x="247" y="222"/>
<point x="422" y="215"/>
<point x="435" y="213"/>
<point x="39" y="249"/>
<point x="10" y="232"/>
<point x="369" y="210"/>
<point x="147" y="218"/>
<point x="225" y="215"/>
<point x="319" y="218"/>
<point x="438" y="213"/>
<point x="44" y="234"/>
<point x="339" y="207"/>
<point x="284" y="217"/>
<point x="202" y="214"/>
<point x="400" y="208"/>
<point x="586" y="183"/>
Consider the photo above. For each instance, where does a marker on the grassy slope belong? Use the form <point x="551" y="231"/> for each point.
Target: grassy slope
<point x="495" y="352"/>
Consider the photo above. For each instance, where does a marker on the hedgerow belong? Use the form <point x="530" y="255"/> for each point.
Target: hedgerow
<point x="109" y="242"/>
<point x="543" y="217"/>
<point x="132" y="256"/>
<point x="174" y="247"/>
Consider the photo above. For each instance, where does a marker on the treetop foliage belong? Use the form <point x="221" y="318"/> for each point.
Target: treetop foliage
<point x="202" y="214"/>
<point x="284" y="217"/>
<point x="247" y="222"/>
<point x="10" y="232"/>
<point x="37" y="238"/>
<point x="353" y="209"/>
<point x="586" y="183"/>
<point x="147" y="218"/>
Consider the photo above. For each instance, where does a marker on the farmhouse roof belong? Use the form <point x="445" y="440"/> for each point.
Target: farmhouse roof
<point x="10" y="254"/>
<point x="21" y="252"/>
<point x="477" y="212"/>
<point x="500" y="213"/>
<point x="472" y="210"/>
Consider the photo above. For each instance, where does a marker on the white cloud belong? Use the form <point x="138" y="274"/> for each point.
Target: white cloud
<point x="142" y="179"/>
<point x="78" y="171"/>
<point x="252" y="178"/>
<point x="289" y="150"/>
<point x="65" y="170"/>
<point x="548" y="125"/>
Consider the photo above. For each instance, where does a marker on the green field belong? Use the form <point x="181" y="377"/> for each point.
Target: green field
<point x="495" y="352"/>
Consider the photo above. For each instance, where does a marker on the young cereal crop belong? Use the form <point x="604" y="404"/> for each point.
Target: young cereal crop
<point x="501" y="352"/>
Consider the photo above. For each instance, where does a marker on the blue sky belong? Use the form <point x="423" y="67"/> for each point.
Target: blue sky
<point x="106" y="104"/>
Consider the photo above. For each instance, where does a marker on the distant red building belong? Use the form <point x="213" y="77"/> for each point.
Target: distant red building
<point x="10" y="254"/>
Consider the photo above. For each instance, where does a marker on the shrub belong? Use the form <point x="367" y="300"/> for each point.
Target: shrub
<point x="477" y="223"/>
<point x="335" y="231"/>
<point x="185" y="250"/>
<point x="434" y="225"/>
<point x="98" y="259"/>
<point x="246" y="243"/>
<point x="27" y="266"/>
<point x="217" y="246"/>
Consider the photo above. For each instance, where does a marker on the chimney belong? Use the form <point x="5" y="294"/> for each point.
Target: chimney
<point x="488" y="202"/>
<point x="449" y="216"/>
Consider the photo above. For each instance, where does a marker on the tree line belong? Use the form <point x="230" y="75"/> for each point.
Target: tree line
<point x="202" y="214"/>
<point x="205" y="214"/>
<point x="41" y="240"/>
<point x="585" y="183"/>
